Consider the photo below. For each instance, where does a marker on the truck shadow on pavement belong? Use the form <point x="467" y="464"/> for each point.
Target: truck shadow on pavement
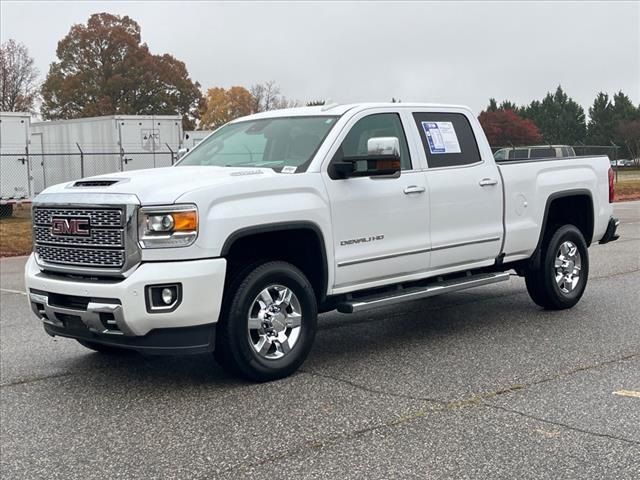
<point x="435" y="325"/>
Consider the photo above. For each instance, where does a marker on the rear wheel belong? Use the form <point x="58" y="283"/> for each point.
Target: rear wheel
<point x="561" y="278"/>
<point x="269" y="322"/>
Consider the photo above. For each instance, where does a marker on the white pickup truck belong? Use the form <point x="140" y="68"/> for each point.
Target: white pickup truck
<point x="281" y="215"/>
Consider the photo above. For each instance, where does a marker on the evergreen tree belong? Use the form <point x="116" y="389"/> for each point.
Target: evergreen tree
<point x="560" y="119"/>
<point x="602" y="125"/>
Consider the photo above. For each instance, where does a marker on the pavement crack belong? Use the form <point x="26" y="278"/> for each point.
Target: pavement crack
<point x="35" y="379"/>
<point x="373" y="390"/>
<point x="561" y="424"/>
<point x="336" y="439"/>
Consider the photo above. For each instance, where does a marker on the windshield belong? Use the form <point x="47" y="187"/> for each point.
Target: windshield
<point x="271" y="143"/>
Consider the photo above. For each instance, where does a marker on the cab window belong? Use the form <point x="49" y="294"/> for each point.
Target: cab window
<point x="376" y="125"/>
<point x="447" y="138"/>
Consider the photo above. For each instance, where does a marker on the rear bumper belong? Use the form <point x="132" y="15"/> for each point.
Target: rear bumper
<point x="116" y="312"/>
<point x="610" y="234"/>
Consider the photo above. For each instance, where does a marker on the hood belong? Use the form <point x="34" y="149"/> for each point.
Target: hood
<point x="160" y="185"/>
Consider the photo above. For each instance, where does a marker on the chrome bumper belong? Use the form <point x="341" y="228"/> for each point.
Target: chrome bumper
<point x="98" y="317"/>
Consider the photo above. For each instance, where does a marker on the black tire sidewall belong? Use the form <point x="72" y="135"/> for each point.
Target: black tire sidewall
<point x="245" y="357"/>
<point x="558" y="298"/>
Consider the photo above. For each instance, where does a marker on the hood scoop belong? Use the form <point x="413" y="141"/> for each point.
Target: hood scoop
<point x="95" y="183"/>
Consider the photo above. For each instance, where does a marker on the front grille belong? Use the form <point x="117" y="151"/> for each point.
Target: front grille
<point x="97" y="238"/>
<point x="99" y="217"/>
<point x="103" y="247"/>
<point x="83" y="257"/>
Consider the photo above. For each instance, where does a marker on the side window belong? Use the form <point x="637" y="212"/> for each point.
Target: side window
<point x="376" y="125"/>
<point x="501" y="154"/>
<point x="448" y="139"/>
<point x="519" y="154"/>
<point x="546" y="152"/>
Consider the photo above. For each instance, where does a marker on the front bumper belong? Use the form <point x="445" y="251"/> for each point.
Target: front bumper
<point x="115" y="312"/>
<point x="610" y="234"/>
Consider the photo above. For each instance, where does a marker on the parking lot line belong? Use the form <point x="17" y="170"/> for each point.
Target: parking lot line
<point x="8" y="290"/>
<point x="627" y="393"/>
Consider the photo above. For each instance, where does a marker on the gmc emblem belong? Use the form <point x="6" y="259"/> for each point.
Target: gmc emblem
<point x="70" y="226"/>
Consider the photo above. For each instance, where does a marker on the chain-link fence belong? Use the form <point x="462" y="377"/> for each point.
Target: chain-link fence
<point x="511" y="153"/>
<point x="26" y="174"/>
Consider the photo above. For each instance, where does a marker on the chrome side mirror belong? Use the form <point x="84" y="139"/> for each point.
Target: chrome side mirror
<point x="382" y="146"/>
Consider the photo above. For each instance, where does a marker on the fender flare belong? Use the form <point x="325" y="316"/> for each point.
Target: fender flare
<point x="535" y="259"/>
<point x="283" y="227"/>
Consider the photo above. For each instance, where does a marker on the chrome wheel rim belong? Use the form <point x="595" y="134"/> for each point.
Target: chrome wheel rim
<point x="567" y="266"/>
<point x="274" y="322"/>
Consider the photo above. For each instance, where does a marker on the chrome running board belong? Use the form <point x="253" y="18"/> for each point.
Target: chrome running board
<point x="353" y="305"/>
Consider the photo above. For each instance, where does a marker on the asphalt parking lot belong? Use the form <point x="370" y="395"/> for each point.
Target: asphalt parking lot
<point x="480" y="384"/>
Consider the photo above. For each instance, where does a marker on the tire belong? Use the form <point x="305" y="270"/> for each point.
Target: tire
<point x="562" y="276"/>
<point x="263" y="336"/>
<point x="101" y="348"/>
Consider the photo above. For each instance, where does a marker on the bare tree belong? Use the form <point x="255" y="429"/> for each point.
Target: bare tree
<point x="630" y="132"/>
<point x="266" y="96"/>
<point x="18" y="78"/>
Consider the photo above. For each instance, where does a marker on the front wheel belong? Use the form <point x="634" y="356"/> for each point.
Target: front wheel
<point x="561" y="278"/>
<point x="269" y="322"/>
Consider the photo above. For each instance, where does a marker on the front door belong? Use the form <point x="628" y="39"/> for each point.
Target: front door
<point x="380" y="224"/>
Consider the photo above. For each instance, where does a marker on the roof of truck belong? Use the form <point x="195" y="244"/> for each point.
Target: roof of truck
<point x="340" y="109"/>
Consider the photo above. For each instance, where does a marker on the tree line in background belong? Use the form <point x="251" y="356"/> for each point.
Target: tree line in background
<point x="104" y="68"/>
<point x="558" y="119"/>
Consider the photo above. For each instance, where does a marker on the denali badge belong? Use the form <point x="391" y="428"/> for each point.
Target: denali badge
<point x="70" y="226"/>
<point x="355" y="241"/>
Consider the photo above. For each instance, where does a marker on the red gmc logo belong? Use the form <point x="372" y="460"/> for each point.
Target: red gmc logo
<point x="70" y="226"/>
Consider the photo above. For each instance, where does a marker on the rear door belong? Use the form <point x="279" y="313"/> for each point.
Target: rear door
<point x="465" y="192"/>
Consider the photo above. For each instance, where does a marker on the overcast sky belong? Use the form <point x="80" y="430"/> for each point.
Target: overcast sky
<point x="448" y="52"/>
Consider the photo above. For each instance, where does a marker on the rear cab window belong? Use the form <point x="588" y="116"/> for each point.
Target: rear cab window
<point x="447" y="139"/>
<point x="519" y="154"/>
<point x="545" y="152"/>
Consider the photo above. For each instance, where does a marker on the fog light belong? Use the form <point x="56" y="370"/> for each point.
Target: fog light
<point x="163" y="298"/>
<point x="167" y="296"/>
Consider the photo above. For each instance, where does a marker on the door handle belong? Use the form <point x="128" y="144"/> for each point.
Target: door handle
<point x="485" y="182"/>
<point x="413" y="189"/>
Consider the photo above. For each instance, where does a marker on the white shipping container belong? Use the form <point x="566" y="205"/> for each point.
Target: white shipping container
<point x="14" y="165"/>
<point x="109" y="144"/>
<point x="194" y="137"/>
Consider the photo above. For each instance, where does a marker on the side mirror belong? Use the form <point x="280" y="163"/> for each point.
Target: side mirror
<point x="382" y="159"/>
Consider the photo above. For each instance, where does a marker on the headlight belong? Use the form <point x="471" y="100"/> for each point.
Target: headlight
<point x="171" y="226"/>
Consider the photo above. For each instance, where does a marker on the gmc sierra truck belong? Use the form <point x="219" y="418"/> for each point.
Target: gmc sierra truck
<point x="278" y="216"/>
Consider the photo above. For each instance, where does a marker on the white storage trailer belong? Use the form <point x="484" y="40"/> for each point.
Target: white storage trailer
<point x="194" y="137"/>
<point x="191" y="139"/>
<point x="65" y="150"/>
<point x="14" y="162"/>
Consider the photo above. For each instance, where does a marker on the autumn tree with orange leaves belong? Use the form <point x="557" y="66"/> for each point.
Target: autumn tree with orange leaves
<point x="103" y="68"/>
<point x="223" y="105"/>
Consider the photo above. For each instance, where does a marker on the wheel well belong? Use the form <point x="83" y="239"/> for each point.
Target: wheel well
<point x="300" y="246"/>
<point x="572" y="209"/>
